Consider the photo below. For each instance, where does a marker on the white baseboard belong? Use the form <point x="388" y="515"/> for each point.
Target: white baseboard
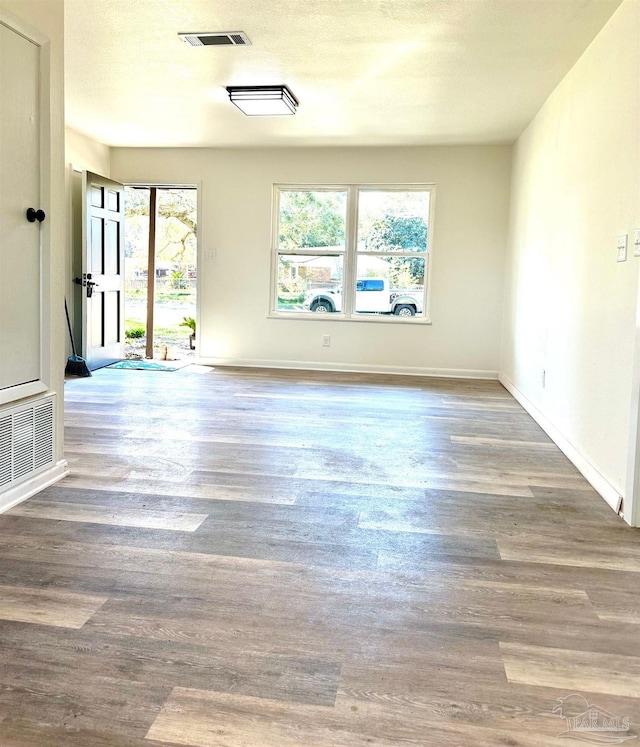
<point x="34" y="485"/>
<point x="449" y="373"/>
<point x="595" y="478"/>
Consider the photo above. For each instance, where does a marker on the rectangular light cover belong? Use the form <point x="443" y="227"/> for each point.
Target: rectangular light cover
<point x="263" y="101"/>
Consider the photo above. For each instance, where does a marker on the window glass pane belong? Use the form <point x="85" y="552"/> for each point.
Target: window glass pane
<point x="312" y="219"/>
<point x="310" y="283"/>
<point x="390" y="285"/>
<point x="136" y="265"/>
<point x="393" y="221"/>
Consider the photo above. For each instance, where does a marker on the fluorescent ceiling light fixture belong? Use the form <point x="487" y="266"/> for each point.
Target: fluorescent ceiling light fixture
<point x="263" y="101"/>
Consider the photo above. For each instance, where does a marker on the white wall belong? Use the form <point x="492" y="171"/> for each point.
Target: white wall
<point x="570" y="308"/>
<point x="84" y="153"/>
<point x="468" y="253"/>
<point x="47" y="16"/>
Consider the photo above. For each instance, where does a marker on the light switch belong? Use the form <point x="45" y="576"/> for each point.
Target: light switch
<point x="622" y="248"/>
<point x="636" y="243"/>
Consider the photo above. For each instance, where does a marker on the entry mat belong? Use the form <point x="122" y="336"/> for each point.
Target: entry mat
<point x="140" y="365"/>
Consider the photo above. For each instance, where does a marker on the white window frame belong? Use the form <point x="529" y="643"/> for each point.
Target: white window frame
<point x="350" y="254"/>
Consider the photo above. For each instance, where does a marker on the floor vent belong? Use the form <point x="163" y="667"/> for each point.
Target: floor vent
<point x="27" y="441"/>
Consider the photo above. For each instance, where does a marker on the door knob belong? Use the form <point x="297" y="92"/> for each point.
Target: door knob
<point x="34" y="215"/>
<point x="86" y="282"/>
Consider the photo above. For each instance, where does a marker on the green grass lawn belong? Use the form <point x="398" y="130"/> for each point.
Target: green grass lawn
<point x="171" y="333"/>
<point x="163" y="295"/>
<point x="167" y="335"/>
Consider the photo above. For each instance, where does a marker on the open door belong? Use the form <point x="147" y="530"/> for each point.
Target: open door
<point x="102" y="270"/>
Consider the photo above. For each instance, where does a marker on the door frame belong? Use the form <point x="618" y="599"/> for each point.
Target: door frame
<point x="197" y="185"/>
<point x="631" y="505"/>
<point x="36" y="37"/>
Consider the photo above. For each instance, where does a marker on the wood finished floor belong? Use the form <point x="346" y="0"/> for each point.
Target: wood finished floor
<point x="290" y="559"/>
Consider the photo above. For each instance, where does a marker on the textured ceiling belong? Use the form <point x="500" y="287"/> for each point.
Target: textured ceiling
<point x="366" y="72"/>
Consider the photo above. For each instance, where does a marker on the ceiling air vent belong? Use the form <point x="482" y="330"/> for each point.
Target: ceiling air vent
<point x="216" y="39"/>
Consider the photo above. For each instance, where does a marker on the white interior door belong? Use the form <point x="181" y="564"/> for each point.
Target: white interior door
<point x="20" y="245"/>
<point x="102" y="271"/>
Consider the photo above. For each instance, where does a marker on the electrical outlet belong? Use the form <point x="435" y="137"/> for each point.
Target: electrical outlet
<point x="636" y="243"/>
<point x="326" y="341"/>
<point x="622" y="248"/>
<point x="209" y="255"/>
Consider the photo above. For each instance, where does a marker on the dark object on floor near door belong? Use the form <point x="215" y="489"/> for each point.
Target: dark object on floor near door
<point x="76" y="366"/>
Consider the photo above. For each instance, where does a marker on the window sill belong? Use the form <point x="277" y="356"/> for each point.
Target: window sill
<point x="365" y="318"/>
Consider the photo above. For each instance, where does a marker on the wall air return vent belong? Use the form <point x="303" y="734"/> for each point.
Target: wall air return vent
<point x="216" y="39"/>
<point x="26" y="441"/>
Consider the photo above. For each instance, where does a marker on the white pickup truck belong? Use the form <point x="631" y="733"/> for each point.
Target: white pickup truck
<point x="373" y="296"/>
